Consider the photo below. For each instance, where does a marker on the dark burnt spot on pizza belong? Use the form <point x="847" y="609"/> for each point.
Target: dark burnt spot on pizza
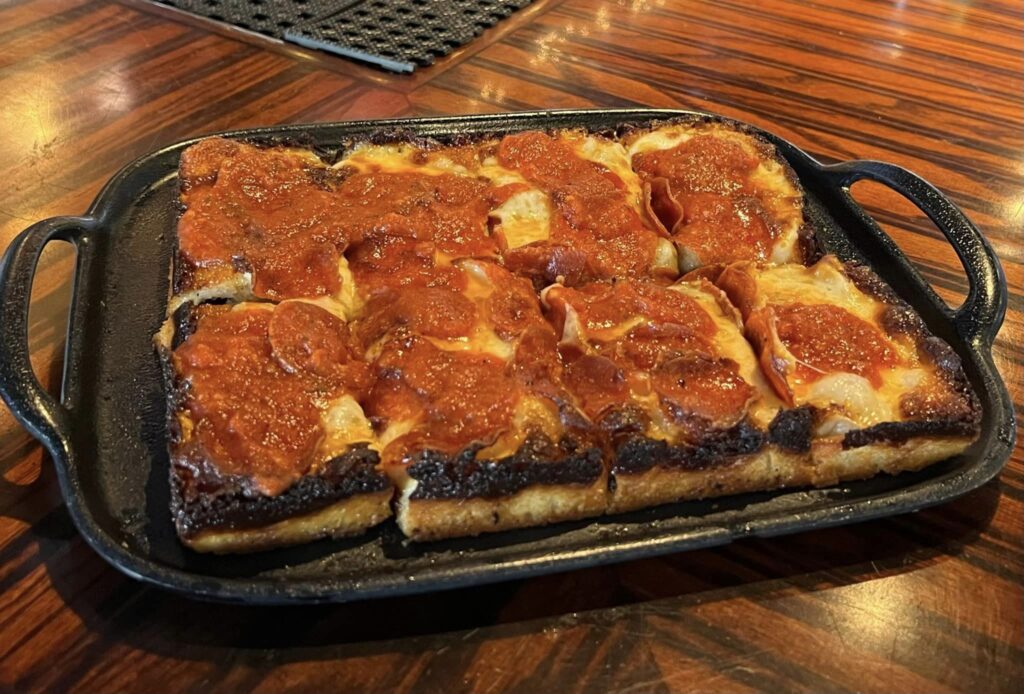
<point x="539" y="461"/>
<point x="791" y="429"/>
<point x="717" y="447"/>
<point x="224" y="503"/>
<point x="900" y="432"/>
<point x="184" y="321"/>
<point x="900" y="319"/>
<point x="865" y="279"/>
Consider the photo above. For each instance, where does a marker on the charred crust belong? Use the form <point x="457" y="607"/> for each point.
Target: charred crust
<point x="539" y="461"/>
<point x="184" y="320"/>
<point x="945" y="359"/>
<point x="302" y="140"/>
<point x="900" y="319"/>
<point x="353" y="473"/>
<point x="898" y="432"/>
<point x="183" y="272"/>
<point x="791" y="430"/>
<point x="811" y="249"/>
<point x="639" y="454"/>
<point x="172" y="394"/>
<point x="871" y="284"/>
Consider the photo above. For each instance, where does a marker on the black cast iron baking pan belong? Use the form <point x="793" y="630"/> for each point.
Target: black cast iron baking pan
<point x="106" y="432"/>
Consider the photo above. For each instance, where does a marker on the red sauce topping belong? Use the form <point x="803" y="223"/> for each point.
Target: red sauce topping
<point x="826" y="339"/>
<point x="463" y="397"/>
<point x="696" y="385"/>
<point x="598" y="383"/>
<point x="602" y="306"/>
<point x="288" y="219"/>
<point x="724" y="217"/>
<point x="267" y="210"/>
<point x="512" y="307"/>
<point x="257" y="380"/>
<point x="604" y="235"/>
<point x="670" y="353"/>
<point x="430" y="311"/>
<point x="449" y="210"/>
<point x="383" y="262"/>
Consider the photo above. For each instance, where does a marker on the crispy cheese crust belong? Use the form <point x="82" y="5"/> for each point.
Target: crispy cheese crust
<point x="491" y="333"/>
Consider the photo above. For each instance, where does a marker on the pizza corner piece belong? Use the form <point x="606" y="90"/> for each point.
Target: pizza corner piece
<point x="268" y="443"/>
<point x="878" y="391"/>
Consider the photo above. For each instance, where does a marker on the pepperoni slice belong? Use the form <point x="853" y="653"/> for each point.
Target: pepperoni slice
<point x="603" y="236"/>
<point x="430" y="311"/>
<point x="826" y="339"/>
<point x="699" y="386"/>
<point x="598" y="382"/>
<point x="304" y="337"/>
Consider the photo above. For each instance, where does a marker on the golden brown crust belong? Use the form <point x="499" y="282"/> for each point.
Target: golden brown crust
<point x="435" y="519"/>
<point x="344" y="518"/>
<point x="827" y="464"/>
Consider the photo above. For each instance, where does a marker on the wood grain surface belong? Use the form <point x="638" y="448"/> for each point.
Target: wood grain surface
<point x="931" y="602"/>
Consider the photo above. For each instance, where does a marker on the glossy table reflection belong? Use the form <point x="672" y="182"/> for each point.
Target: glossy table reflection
<point x="929" y="602"/>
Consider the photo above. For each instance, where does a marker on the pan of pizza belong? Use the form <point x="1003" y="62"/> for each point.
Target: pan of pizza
<point x="338" y="361"/>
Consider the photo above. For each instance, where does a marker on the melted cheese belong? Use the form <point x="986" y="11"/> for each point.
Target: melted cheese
<point x="730" y="343"/>
<point x="344" y="424"/>
<point x="822" y="283"/>
<point x="400" y="158"/>
<point x="611" y="155"/>
<point x="523" y="219"/>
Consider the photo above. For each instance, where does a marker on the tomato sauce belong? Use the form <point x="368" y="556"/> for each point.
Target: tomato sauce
<point x="256" y="382"/>
<point x="458" y="397"/>
<point x="268" y="211"/>
<point x="593" y="218"/>
<point x="724" y="216"/>
<point x="827" y="339"/>
<point x="288" y="219"/>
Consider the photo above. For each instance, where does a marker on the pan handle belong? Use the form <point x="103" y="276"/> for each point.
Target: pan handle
<point x="37" y="410"/>
<point x="981" y="314"/>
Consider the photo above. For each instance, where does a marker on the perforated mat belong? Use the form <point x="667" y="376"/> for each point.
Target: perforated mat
<point x="398" y="35"/>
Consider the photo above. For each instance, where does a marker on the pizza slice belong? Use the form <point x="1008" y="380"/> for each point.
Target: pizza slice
<point x="473" y="424"/>
<point x="258" y="223"/>
<point x="568" y="208"/>
<point x="666" y="375"/>
<point x="269" y="445"/>
<point x="878" y="392"/>
<point x="721" y="193"/>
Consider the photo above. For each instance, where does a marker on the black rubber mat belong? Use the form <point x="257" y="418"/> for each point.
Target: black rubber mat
<point x="270" y="17"/>
<point x="398" y="35"/>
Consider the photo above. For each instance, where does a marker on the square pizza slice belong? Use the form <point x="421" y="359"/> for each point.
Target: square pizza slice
<point x="721" y="193"/>
<point x="258" y="222"/>
<point x="666" y="374"/>
<point x="878" y="391"/>
<point x="269" y="445"/>
<point x="473" y="424"/>
<point x="569" y="209"/>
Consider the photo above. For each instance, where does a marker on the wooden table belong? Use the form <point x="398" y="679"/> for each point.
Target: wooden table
<point x="930" y="602"/>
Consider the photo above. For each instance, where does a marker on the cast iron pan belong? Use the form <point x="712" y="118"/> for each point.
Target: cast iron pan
<point x="106" y="433"/>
